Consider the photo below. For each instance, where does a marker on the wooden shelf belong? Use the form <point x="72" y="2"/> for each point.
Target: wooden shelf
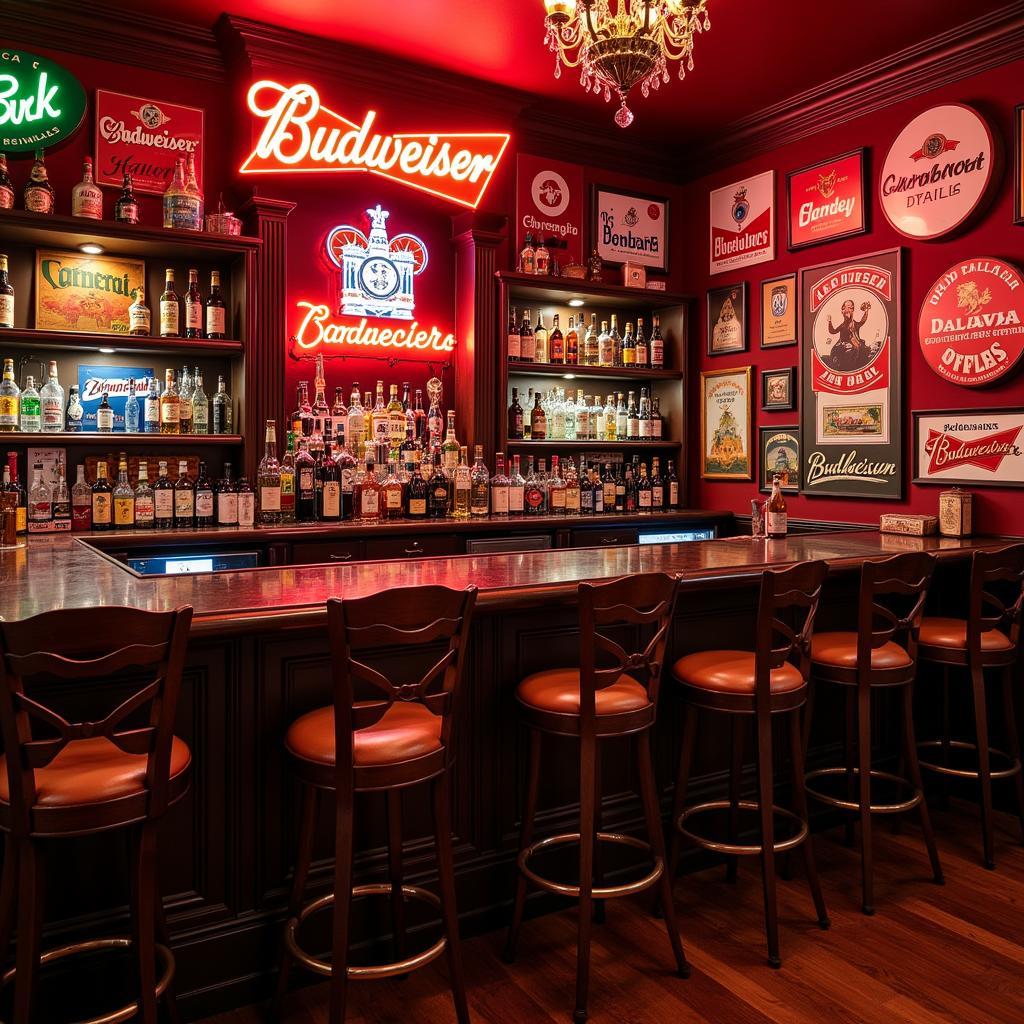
<point x="520" y="369"/>
<point x="591" y="444"/>
<point x="120" y="439"/>
<point x="21" y="337"/>
<point x="555" y="291"/>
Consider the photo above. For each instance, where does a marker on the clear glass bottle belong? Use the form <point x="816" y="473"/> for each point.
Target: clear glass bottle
<point x="396" y="420"/>
<point x="569" y="429"/>
<point x="131" y="409"/>
<point x="534" y="494"/>
<point x="123" y="496"/>
<point x="61" y="499"/>
<point x="480" y="483"/>
<point x="170" y="308"/>
<point x="39" y="197"/>
<point x="462" y="483"/>
<point x="542" y="258"/>
<point x="139" y="318"/>
<point x="572" y="489"/>
<point x="145" y="513"/>
<point x="81" y="502"/>
<point x="644" y="424"/>
<point x="616" y="339"/>
<point x="185" y="387"/>
<point x="605" y="346"/>
<point x="175" y="199"/>
<point x="591" y="349"/>
<point x="170" y="406"/>
<point x="163" y="499"/>
<point x="556" y="489"/>
<point x="40" y="498"/>
<point x="268" y="479"/>
<point x="632" y="418"/>
<point x="151" y="408"/>
<point x="223" y="417"/>
<point x="10" y="400"/>
<point x="86" y="197"/>
<point x="30" y="408"/>
<point x="621" y="419"/>
<point x="184" y="499"/>
<point x="555" y="409"/>
<point x="246" y="496"/>
<point x="516" y="488"/>
<point x="528" y="256"/>
<point x="451" y="448"/>
<point x="200" y="406"/>
<point x="499" y="488"/>
<point x="194" y="193"/>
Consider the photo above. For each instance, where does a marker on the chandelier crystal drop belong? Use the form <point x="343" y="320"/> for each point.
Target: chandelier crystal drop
<point x="618" y="44"/>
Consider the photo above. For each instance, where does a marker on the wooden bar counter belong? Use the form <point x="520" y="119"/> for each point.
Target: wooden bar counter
<point x="259" y="658"/>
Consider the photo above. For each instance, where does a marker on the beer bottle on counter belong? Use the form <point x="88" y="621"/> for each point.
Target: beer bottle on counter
<point x="777" y="519"/>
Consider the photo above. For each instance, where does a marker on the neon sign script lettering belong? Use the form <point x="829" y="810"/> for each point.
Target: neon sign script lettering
<point x="317" y="329"/>
<point x="41" y="103"/>
<point x="301" y="134"/>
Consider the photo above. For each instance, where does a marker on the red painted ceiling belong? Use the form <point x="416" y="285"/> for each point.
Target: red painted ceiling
<point x="756" y="53"/>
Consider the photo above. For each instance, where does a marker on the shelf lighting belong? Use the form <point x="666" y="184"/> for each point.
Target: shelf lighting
<point x="91" y="248"/>
<point x="576" y="302"/>
<point x="107" y="351"/>
<point x="568" y="376"/>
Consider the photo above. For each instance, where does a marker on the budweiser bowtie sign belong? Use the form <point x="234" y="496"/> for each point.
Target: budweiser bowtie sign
<point x="300" y="134"/>
<point x="41" y="103"/>
<point x="982" y="446"/>
<point x="970" y="328"/>
<point x="937" y="171"/>
<point x="743" y="223"/>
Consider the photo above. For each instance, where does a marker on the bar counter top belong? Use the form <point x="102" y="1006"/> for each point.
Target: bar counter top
<point x="66" y="572"/>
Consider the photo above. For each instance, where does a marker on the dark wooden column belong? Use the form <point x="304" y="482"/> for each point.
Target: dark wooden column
<point x="265" y="338"/>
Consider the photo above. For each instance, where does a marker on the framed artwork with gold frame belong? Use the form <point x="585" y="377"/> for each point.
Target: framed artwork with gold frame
<point x="779" y="311"/>
<point x="726" y="424"/>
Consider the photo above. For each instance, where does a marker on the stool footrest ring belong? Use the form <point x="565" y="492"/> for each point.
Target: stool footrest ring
<point x="390" y="970"/>
<point x="968" y="773"/>
<point x="897" y="807"/>
<point x="741" y="849"/>
<point x="604" y="892"/>
<point x="92" y="946"/>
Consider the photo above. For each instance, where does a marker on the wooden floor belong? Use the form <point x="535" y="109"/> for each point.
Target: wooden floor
<point x="952" y="954"/>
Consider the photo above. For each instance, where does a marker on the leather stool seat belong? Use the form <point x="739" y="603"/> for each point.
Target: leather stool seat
<point x="840" y="649"/>
<point x="95" y="770"/>
<point x="405" y="731"/>
<point x="558" y="690"/>
<point x="732" y="672"/>
<point x="952" y="633"/>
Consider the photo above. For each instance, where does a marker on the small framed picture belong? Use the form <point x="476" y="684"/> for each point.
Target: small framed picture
<point x="780" y="453"/>
<point x="826" y="201"/>
<point x="630" y="227"/>
<point x="778" y="311"/>
<point x="1018" y="165"/>
<point x="727" y="319"/>
<point x="778" y="389"/>
<point x="726" y="412"/>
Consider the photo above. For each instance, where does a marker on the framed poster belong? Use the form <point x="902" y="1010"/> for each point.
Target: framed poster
<point x="780" y="453"/>
<point x="743" y="223"/>
<point x="1018" y="165"/>
<point x="979" y="447"/>
<point x="113" y="381"/>
<point x="826" y="201"/>
<point x="778" y="311"/>
<point x="549" y="204"/>
<point x="727" y="319"/>
<point x="76" y="293"/>
<point x="725" y="424"/>
<point x="851" y="377"/>
<point x="144" y="137"/>
<point x="778" y="389"/>
<point x="630" y="228"/>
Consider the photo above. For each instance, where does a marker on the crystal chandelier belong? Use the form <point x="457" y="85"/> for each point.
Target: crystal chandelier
<point x="619" y="43"/>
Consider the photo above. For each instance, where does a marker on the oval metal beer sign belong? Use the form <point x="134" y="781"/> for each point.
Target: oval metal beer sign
<point x="41" y="103"/>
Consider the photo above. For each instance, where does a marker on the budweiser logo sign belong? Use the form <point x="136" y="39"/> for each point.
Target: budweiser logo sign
<point x="301" y="134"/>
<point x="970" y="447"/>
<point x="947" y="451"/>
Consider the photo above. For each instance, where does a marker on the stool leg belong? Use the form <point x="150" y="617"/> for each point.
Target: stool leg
<point x="8" y="896"/>
<point x="947" y="736"/>
<point x="303" y="855"/>
<point x="1012" y="742"/>
<point x="806" y="715"/>
<point x="735" y="778"/>
<point x="588" y="755"/>
<point x="394" y="800"/>
<point x="984" y="764"/>
<point x="599" y="905"/>
<point x="800" y="800"/>
<point x="446" y="877"/>
<point x="525" y="838"/>
<point x="656" y="837"/>
<point x="144" y="917"/>
<point x="767" y="800"/>
<point x="864" y="764"/>
<point x="914" y="771"/>
<point x="682" y="780"/>
<point x="30" y="929"/>
<point x="850" y="753"/>
<point x="163" y="934"/>
<point x="342" y="902"/>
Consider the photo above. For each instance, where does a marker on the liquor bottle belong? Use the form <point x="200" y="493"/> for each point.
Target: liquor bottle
<point x="515" y="417"/>
<point x="6" y="186"/>
<point x="145" y="508"/>
<point x="204" y="499"/>
<point x="102" y="508"/>
<point x="216" y="310"/>
<point x="39" y="196"/>
<point x="598" y="489"/>
<point x="450" y="449"/>
<point x="480" y="485"/>
<point x="185" y="388"/>
<point x="139" y="317"/>
<point x="123" y="496"/>
<point x="777" y="518"/>
<point x="657" y="486"/>
<point x="75" y="413"/>
<point x="328" y="491"/>
<point x="609" y="488"/>
<point x="6" y="295"/>
<point x="533" y="492"/>
<point x="193" y="307"/>
<point x="367" y="495"/>
<point x="184" y="499"/>
<point x="419" y="491"/>
<point x="126" y="209"/>
<point x="31" y="412"/>
<point x="632" y="418"/>
<point x="556" y="342"/>
<point x="630" y="495"/>
<point x="657" y="345"/>
<point x="572" y="340"/>
<point x="40" y="498"/>
<point x="131" y="409"/>
<point x="104" y="415"/>
<point x="319" y="409"/>
<point x="288" y="479"/>
<point x="572" y="489"/>
<point x="540" y="340"/>
<point x="305" y="483"/>
<point x="86" y="197"/>
<point x="393" y="494"/>
<point x="645" y="423"/>
<point x="462" y="484"/>
<point x="629" y="346"/>
<point x="396" y="420"/>
<point x="499" y="486"/>
<point x="538" y="421"/>
<point x="610" y="421"/>
<point x="643" y="352"/>
<point x="194" y="193"/>
<point x="170" y="325"/>
<point x="13" y="495"/>
<point x="339" y="413"/>
<point x="10" y="400"/>
<point x="268" y="479"/>
<point x="605" y="347"/>
<point x="347" y="469"/>
<point x="620" y="492"/>
<point x="355" y="427"/>
<point x="200" y="406"/>
<point x="163" y="500"/>
<point x="151" y="408"/>
<point x="528" y="256"/>
<point x="419" y="416"/>
<point x="226" y="498"/>
<point x="591" y="347"/>
<point x="81" y="501"/>
<point x="439" y="493"/>
<point x="671" y="488"/>
<point x="175" y="199"/>
<point x="516" y="489"/>
<point x="542" y="259"/>
<point x="621" y="419"/>
<point x="246" y="496"/>
<point x="527" y="342"/>
<point x="616" y="339"/>
<point x="222" y="409"/>
<point x="51" y="398"/>
<point x="586" y="487"/>
<point x="644" y="491"/>
<point x="556" y="489"/>
<point x="512" y="335"/>
<point x="657" y="424"/>
<point x="380" y="424"/>
<point x="170" y="406"/>
<point x="61" y="499"/>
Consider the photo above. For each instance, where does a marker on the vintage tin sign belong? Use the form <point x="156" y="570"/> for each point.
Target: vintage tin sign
<point x="79" y="293"/>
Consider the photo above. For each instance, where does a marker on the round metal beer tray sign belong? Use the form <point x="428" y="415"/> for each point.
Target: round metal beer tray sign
<point x="970" y="327"/>
<point x="937" y="171"/>
<point x="41" y="103"/>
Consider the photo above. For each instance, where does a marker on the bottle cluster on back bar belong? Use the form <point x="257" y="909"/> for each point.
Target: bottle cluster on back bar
<point x="556" y="416"/>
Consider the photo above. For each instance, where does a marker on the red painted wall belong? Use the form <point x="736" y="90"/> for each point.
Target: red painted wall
<point x="992" y="234"/>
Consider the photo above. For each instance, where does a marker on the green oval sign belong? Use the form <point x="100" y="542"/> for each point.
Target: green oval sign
<point x="41" y="103"/>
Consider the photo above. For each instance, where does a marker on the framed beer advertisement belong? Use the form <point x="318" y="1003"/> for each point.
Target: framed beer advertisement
<point x="629" y="227"/>
<point x="975" y="448"/>
<point x="727" y="319"/>
<point x="778" y="389"/>
<point x="80" y="293"/>
<point x="778" y="311"/>
<point x="742" y="223"/>
<point x="1018" y="165"/>
<point x="780" y="453"/>
<point x="851" y="377"/>
<point x="826" y="201"/>
<point x="725" y="424"/>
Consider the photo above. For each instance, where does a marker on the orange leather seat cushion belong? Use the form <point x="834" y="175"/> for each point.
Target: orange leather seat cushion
<point x="952" y="633"/>
<point x="558" y="690"/>
<point x="405" y="731"/>
<point x="840" y="649"/>
<point x="732" y="672"/>
<point x="93" y="770"/>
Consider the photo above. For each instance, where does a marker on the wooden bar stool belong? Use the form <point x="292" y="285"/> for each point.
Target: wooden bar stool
<point x="386" y="745"/>
<point x="770" y="680"/>
<point x="593" y="704"/>
<point x="989" y="638"/>
<point x="881" y="654"/>
<point x="60" y="779"/>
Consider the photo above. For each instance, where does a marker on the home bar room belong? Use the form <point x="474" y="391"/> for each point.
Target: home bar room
<point x="511" y="512"/>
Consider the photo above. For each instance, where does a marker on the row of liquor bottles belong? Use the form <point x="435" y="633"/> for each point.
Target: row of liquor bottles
<point x="183" y="406"/>
<point x="585" y="346"/>
<point x="555" y="416"/>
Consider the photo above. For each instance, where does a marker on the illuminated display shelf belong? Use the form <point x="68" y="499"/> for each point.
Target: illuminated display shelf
<point x="24" y="338"/>
<point x="577" y="372"/>
<point x="594" y="445"/>
<point x="118" y="439"/>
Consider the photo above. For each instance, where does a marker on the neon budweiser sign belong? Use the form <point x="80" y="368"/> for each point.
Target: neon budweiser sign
<point x="300" y="134"/>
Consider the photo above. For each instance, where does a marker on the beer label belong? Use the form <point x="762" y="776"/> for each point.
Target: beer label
<point x="287" y="487"/>
<point x="499" y="500"/>
<point x="227" y="509"/>
<point x="6" y="310"/>
<point x="144" y="511"/>
<point x="124" y="511"/>
<point x="163" y="503"/>
<point x="193" y="315"/>
<point x="204" y="503"/>
<point x="657" y="354"/>
<point x="39" y="200"/>
<point x="215" y="320"/>
<point x="270" y="498"/>
<point x="182" y="211"/>
<point x="417" y="506"/>
<point x="169" y="318"/>
<point x="246" y="508"/>
<point x="101" y="510"/>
